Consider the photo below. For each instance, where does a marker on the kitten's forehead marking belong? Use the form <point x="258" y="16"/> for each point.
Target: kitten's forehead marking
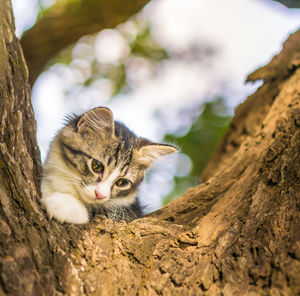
<point x="116" y="155"/>
<point x="126" y="164"/>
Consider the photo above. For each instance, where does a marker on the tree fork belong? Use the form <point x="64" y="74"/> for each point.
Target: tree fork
<point x="236" y="234"/>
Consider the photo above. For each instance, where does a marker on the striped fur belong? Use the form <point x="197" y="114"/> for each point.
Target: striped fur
<point x="72" y="189"/>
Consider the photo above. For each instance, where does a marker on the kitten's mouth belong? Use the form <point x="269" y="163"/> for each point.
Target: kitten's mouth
<point x="99" y="195"/>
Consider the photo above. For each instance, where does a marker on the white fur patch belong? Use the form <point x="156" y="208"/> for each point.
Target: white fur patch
<point x="121" y="201"/>
<point x="65" y="208"/>
<point x="104" y="187"/>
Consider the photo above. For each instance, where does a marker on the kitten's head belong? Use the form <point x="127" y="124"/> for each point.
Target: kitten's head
<point x="107" y="157"/>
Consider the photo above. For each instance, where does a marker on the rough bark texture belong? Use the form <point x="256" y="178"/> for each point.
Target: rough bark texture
<point x="67" y="21"/>
<point x="236" y="234"/>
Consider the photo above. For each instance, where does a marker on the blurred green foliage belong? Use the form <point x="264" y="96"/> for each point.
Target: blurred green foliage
<point x="142" y="45"/>
<point x="145" y="46"/>
<point x="200" y="142"/>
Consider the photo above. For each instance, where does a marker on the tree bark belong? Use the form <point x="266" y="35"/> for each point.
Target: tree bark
<point x="236" y="234"/>
<point x="65" y="22"/>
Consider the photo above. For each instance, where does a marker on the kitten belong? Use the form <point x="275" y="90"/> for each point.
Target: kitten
<point x="96" y="164"/>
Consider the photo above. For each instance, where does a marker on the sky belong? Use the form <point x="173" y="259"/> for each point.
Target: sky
<point x="246" y="35"/>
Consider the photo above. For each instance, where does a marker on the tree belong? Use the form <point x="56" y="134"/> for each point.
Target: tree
<point x="235" y="234"/>
<point x="78" y="18"/>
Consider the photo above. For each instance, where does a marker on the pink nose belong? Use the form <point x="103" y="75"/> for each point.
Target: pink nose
<point x="99" y="195"/>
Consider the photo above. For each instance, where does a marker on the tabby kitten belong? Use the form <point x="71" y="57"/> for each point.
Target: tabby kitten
<point x="96" y="164"/>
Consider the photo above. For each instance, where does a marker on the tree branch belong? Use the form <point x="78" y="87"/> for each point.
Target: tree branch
<point x="77" y="18"/>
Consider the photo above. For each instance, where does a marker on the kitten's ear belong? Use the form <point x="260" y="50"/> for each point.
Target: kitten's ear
<point x="148" y="151"/>
<point x="95" y="119"/>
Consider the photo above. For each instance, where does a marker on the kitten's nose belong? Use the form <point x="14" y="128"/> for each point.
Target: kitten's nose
<point x="99" y="195"/>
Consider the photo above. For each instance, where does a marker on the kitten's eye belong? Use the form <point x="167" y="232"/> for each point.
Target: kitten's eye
<point x="122" y="182"/>
<point x="97" y="166"/>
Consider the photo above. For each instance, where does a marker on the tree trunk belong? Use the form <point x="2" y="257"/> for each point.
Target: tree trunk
<point x="236" y="234"/>
<point x="66" y="21"/>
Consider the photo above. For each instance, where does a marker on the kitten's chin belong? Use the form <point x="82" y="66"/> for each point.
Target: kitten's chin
<point x="127" y="201"/>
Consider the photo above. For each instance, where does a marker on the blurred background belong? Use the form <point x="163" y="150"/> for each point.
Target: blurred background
<point x="173" y="72"/>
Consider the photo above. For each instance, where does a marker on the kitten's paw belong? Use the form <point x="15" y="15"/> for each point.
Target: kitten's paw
<point x="65" y="208"/>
